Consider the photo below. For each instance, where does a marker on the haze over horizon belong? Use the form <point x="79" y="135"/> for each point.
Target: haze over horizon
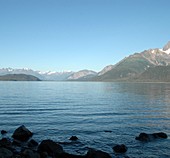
<point x="74" y="35"/>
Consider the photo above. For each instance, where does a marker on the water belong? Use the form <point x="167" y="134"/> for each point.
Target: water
<point x="58" y="110"/>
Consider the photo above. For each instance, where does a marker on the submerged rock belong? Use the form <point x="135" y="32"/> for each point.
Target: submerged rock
<point x="97" y="154"/>
<point x="108" y="131"/>
<point x="120" y="148"/>
<point x="50" y="147"/>
<point x="22" y="133"/>
<point x="150" y="137"/>
<point x="73" y="138"/>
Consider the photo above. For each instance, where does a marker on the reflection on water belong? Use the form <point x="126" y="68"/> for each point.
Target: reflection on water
<point x="57" y="110"/>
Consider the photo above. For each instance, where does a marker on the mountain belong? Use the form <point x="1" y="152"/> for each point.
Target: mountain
<point x="41" y="75"/>
<point x="51" y="75"/>
<point x="166" y="48"/>
<point x="18" y="77"/>
<point x="138" y="66"/>
<point x="155" y="74"/>
<point x="126" y="69"/>
<point x="105" y="69"/>
<point x="134" y="65"/>
<point x="82" y="75"/>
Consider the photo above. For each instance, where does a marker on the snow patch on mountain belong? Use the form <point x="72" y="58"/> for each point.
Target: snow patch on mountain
<point x="153" y="51"/>
<point x="166" y="51"/>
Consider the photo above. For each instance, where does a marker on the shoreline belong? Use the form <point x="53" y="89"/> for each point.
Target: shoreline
<point x="22" y="145"/>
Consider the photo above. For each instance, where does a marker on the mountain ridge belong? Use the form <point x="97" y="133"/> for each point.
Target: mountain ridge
<point x="82" y="75"/>
<point x="129" y="68"/>
<point x="49" y="75"/>
<point x="132" y="66"/>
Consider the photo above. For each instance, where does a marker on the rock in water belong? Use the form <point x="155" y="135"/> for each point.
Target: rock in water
<point x="150" y="137"/>
<point x="22" y="133"/>
<point x="108" y="131"/>
<point x="97" y="154"/>
<point x="73" y="138"/>
<point x="143" y="137"/>
<point x="49" y="146"/>
<point x="120" y="148"/>
<point x="3" y="132"/>
<point x="160" y="135"/>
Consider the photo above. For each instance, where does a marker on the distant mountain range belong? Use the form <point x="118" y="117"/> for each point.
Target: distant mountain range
<point x="50" y="75"/>
<point x="151" y="65"/>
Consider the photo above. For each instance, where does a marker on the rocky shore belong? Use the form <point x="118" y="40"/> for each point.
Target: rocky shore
<point x="21" y="145"/>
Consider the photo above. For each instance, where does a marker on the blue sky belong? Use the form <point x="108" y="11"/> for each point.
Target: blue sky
<point x="73" y="35"/>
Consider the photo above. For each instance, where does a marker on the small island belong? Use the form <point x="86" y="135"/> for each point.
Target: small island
<point x="18" y="77"/>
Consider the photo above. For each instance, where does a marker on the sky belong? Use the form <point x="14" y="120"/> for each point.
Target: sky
<point x="61" y="35"/>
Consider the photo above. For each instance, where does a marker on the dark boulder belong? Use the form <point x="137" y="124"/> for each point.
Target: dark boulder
<point x="160" y="135"/>
<point x="5" y="153"/>
<point x="150" y="137"/>
<point x="32" y="143"/>
<point x="22" y="134"/>
<point x="4" y="142"/>
<point x="120" y="148"/>
<point x="27" y="153"/>
<point x="3" y="132"/>
<point x="97" y="154"/>
<point x="44" y="155"/>
<point x="50" y="147"/>
<point x="17" y="143"/>
<point x="73" y="138"/>
<point x="143" y="137"/>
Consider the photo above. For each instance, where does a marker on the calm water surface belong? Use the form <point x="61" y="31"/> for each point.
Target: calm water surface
<point x="58" y="110"/>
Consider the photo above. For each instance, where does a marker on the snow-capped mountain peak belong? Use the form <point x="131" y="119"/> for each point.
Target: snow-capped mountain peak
<point x="166" y="51"/>
<point x="47" y="72"/>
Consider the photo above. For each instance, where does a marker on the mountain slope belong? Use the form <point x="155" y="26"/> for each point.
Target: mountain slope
<point x="134" y="65"/>
<point x="18" y="77"/>
<point x="127" y="68"/>
<point x="82" y="75"/>
<point x="105" y="69"/>
<point x="167" y="47"/>
<point x="156" y="74"/>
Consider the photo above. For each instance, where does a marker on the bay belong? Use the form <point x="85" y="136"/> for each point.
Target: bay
<point x="99" y="114"/>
